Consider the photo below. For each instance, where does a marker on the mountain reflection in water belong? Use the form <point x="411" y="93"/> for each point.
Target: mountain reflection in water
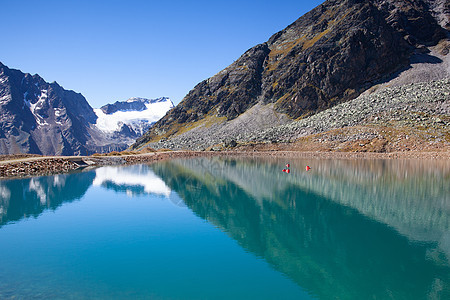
<point x="31" y="196"/>
<point x="132" y="180"/>
<point x="346" y="229"/>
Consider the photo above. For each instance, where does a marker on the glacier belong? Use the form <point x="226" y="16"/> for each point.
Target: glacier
<point x="137" y="113"/>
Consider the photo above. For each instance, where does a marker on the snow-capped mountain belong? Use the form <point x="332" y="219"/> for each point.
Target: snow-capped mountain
<point x="44" y="118"/>
<point x="131" y="118"/>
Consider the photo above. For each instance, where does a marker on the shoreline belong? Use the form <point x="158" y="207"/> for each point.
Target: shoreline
<point x="29" y="166"/>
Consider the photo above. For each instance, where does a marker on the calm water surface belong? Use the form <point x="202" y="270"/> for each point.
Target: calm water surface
<point x="223" y="228"/>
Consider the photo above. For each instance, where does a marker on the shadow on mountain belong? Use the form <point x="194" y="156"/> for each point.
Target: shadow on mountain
<point x="425" y="59"/>
<point x="376" y="230"/>
<point x="30" y="197"/>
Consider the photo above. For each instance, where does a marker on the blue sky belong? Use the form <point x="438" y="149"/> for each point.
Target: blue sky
<point x="114" y="50"/>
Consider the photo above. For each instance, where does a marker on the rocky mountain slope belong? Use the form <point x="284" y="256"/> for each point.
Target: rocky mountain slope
<point x="377" y="122"/>
<point x="43" y="118"/>
<point x="329" y="56"/>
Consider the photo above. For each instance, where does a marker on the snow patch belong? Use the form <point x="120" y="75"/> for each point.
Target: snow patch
<point x="5" y="98"/>
<point x="41" y="122"/>
<point x="3" y="79"/>
<point x="43" y="95"/>
<point x="59" y="111"/>
<point x="38" y="103"/>
<point x="134" y="99"/>
<point x="145" y="178"/>
<point x="42" y="98"/>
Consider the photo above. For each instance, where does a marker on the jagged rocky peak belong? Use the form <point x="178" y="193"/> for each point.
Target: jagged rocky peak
<point x="439" y="10"/>
<point x="41" y="117"/>
<point x="341" y="48"/>
<point x="328" y="56"/>
<point x="44" y="118"/>
<point x="132" y="104"/>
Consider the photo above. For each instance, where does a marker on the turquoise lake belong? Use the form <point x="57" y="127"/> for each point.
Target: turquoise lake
<point x="230" y="228"/>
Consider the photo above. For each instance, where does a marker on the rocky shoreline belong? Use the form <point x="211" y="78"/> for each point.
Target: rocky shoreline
<point x="38" y="167"/>
<point x="42" y="166"/>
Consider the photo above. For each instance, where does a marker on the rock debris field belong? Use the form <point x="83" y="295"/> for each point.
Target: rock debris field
<point x="422" y="106"/>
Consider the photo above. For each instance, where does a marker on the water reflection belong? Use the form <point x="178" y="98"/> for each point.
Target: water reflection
<point x="347" y="229"/>
<point x="30" y="197"/>
<point x="133" y="180"/>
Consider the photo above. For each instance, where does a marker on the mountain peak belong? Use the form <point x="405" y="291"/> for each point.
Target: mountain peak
<point x="44" y="118"/>
<point x="139" y="114"/>
<point x="328" y="56"/>
<point x="133" y="104"/>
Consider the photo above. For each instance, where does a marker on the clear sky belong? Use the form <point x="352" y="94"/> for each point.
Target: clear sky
<point x="114" y="50"/>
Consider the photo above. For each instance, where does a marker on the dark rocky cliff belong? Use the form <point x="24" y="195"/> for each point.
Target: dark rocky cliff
<point x="44" y="118"/>
<point x="30" y="107"/>
<point x="328" y="56"/>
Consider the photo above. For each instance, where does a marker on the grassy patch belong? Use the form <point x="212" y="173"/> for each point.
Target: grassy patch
<point x="309" y="43"/>
<point x="282" y="98"/>
<point x="282" y="50"/>
<point x="206" y="122"/>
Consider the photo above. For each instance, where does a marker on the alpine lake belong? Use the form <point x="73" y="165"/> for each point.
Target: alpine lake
<point x="230" y="228"/>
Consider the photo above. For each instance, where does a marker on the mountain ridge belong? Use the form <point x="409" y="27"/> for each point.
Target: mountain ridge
<point x="328" y="56"/>
<point x="40" y="117"/>
<point x="43" y="118"/>
<point x="133" y="103"/>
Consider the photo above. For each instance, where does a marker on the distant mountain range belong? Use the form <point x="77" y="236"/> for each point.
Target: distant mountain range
<point x="138" y="114"/>
<point x="329" y="56"/>
<point x="44" y="118"/>
<point x="305" y="81"/>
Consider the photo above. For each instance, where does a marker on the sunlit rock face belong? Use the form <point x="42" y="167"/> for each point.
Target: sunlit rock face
<point x="44" y="118"/>
<point x="328" y="56"/>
